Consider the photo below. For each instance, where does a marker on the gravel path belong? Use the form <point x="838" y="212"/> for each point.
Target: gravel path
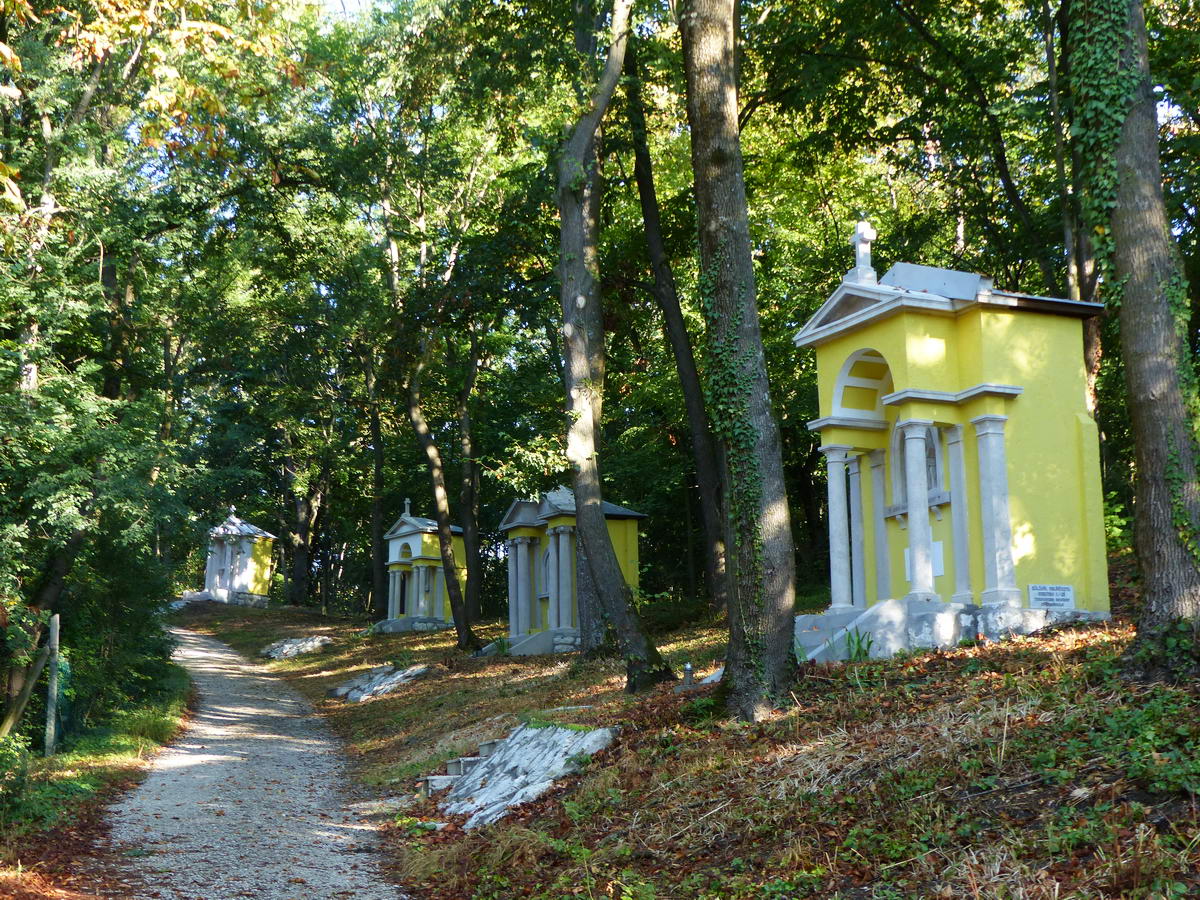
<point x="250" y="801"/>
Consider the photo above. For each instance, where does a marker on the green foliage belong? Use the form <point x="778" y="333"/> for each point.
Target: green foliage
<point x="1174" y="648"/>
<point x="39" y="794"/>
<point x="1118" y="524"/>
<point x="1102" y="91"/>
<point x="701" y="711"/>
<point x="858" y="645"/>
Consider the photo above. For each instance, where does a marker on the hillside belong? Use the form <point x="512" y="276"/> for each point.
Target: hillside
<point x="1029" y="768"/>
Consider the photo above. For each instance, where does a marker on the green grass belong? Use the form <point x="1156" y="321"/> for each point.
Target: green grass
<point x="55" y="791"/>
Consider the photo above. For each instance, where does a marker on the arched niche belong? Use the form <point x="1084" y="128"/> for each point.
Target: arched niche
<point x="861" y="385"/>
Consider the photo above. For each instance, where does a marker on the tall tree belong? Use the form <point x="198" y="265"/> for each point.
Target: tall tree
<point x="579" y="196"/>
<point x="761" y="559"/>
<point x="704" y="450"/>
<point x="1112" y="70"/>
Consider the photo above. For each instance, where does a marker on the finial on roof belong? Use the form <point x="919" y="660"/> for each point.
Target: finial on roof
<point x="407" y="507"/>
<point x="232" y="509"/>
<point x="862" y="272"/>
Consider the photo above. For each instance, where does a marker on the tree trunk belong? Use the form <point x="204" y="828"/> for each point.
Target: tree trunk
<point x="758" y="539"/>
<point x="468" y="495"/>
<point x="704" y="451"/>
<point x="578" y="198"/>
<point x="307" y="507"/>
<point x="379" y="563"/>
<point x="467" y="640"/>
<point x="1167" y="505"/>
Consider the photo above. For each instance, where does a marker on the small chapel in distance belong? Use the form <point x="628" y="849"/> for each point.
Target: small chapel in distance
<point x="963" y="462"/>
<point x="418" y="599"/>
<point x="240" y="563"/>
<point x="543" y="609"/>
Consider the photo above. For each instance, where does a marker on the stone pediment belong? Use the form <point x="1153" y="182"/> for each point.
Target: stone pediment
<point x="407" y="525"/>
<point x="854" y="304"/>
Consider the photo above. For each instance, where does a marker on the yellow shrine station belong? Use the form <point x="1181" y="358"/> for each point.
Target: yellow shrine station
<point x="241" y="560"/>
<point x="417" y="596"/>
<point x="543" y="612"/>
<point x="963" y="463"/>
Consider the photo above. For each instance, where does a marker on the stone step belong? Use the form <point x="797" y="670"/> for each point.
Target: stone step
<point x="463" y="765"/>
<point x="487" y="748"/>
<point x="810" y="639"/>
<point x="431" y="784"/>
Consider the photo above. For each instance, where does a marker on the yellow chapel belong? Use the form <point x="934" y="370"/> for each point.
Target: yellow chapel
<point x="963" y="461"/>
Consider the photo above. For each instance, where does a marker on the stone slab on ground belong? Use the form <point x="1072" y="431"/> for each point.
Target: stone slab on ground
<point x="377" y="682"/>
<point x="252" y="800"/>
<point x="522" y="768"/>
<point x="289" y="647"/>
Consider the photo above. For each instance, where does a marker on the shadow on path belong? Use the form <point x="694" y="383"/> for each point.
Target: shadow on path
<point x="249" y="801"/>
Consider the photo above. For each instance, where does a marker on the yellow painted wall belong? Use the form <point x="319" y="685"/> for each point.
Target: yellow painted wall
<point x="261" y="559"/>
<point x="1051" y="443"/>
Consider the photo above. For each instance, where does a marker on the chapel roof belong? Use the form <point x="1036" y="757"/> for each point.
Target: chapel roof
<point x="860" y="298"/>
<point x="411" y="524"/>
<point x="233" y="526"/>
<point x="558" y="502"/>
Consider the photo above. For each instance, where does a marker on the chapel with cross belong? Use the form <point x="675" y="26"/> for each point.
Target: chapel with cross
<point x="418" y="598"/>
<point x="962" y="459"/>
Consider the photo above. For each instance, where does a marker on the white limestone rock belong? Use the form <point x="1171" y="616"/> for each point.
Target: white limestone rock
<point x="377" y="682"/>
<point x="522" y="768"/>
<point x="289" y="647"/>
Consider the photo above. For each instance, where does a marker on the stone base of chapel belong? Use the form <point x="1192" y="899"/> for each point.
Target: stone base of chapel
<point x="411" y="623"/>
<point x="891" y="626"/>
<point x="540" y="643"/>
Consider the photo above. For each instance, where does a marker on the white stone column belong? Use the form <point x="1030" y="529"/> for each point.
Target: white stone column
<point x="959" y="517"/>
<point x="426" y="591"/>
<point x="858" y="540"/>
<point x="999" y="574"/>
<point x="391" y="596"/>
<point x="883" y="574"/>
<point x="554" y="610"/>
<point x="437" y="602"/>
<point x="510" y="547"/>
<point x="566" y="565"/>
<point x="839" y="529"/>
<point x="916" y="489"/>
<point x="524" y="585"/>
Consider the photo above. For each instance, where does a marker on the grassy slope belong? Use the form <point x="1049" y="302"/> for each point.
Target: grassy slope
<point x="1030" y="768"/>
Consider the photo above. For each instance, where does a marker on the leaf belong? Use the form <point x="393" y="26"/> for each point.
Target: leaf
<point x="9" y="58"/>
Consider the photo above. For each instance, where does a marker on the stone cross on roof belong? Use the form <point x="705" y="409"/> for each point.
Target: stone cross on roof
<point x="407" y="507"/>
<point x="861" y="241"/>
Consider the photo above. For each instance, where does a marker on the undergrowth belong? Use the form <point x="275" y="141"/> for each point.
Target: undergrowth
<point x="38" y="794"/>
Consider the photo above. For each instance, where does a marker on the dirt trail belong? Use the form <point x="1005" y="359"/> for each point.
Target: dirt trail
<point x="250" y="801"/>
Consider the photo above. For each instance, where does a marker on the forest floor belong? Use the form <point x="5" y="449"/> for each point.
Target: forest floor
<point x="1028" y="768"/>
<point x="1034" y="767"/>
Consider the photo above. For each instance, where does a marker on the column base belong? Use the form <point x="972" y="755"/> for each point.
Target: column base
<point x="1004" y="596"/>
<point x="923" y="595"/>
<point x="965" y="597"/>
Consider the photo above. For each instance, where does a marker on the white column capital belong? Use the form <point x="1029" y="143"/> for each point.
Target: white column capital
<point x="837" y="453"/>
<point x="876" y="459"/>
<point x="954" y="434"/>
<point x="991" y="424"/>
<point x="912" y="428"/>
